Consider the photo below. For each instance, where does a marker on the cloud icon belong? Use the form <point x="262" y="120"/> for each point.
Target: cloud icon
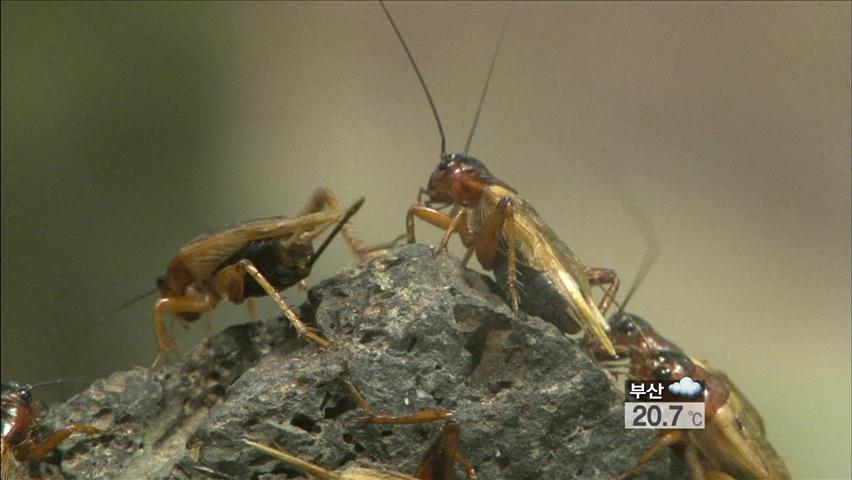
<point x="685" y="387"/>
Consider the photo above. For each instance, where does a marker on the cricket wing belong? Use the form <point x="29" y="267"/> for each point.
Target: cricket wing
<point x="541" y="249"/>
<point x="742" y="407"/>
<point x="205" y="253"/>
<point x="731" y="447"/>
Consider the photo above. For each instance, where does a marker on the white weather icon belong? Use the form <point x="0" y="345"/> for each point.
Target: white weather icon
<point x="685" y="387"/>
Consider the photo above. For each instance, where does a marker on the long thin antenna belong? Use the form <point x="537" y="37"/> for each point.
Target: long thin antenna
<point x="641" y="219"/>
<point x="124" y="305"/>
<point x="646" y="230"/>
<point x="58" y="381"/>
<point x="487" y="80"/>
<point x="351" y="211"/>
<point x="420" y="77"/>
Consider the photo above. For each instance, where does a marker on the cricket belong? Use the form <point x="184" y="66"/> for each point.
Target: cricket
<point x="537" y="271"/>
<point x="20" y="444"/>
<point x="256" y="258"/>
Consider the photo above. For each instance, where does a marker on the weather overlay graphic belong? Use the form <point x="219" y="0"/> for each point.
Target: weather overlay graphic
<point x="664" y="404"/>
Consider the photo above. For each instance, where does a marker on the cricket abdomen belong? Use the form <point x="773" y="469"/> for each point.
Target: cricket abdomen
<point x="539" y="296"/>
<point x="281" y="267"/>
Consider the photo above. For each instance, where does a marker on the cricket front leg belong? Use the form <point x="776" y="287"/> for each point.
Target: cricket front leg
<point x="229" y="284"/>
<point x="37" y="451"/>
<point x="176" y="305"/>
<point x="604" y="276"/>
<point x="500" y="223"/>
<point x="666" y="439"/>
<point x="457" y="223"/>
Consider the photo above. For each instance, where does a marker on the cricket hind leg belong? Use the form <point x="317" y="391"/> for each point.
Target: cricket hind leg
<point x="229" y="283"/>
<point x="604" y="276"/>
<point x="324" y="197"/>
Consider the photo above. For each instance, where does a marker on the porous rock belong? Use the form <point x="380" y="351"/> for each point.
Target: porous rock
<point x="413" y="331"/>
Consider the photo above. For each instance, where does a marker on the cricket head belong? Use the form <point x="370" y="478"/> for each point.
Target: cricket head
<point x="14" y="392"/>
<point x="458" y="179"/>
<point x="668" y="365"/>
<point x="631" y="333"/>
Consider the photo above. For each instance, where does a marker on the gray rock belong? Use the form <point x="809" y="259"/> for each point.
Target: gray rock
<point x="414" y="332"/>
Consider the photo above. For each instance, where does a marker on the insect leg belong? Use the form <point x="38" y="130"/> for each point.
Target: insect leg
<point x="604" y="276"/>
<point x="252" y="309"/>
<point x="422" y="416"/>
<point x="37" y="451"/>
<point x="438" y="219"/>
<point x="467" y="255"/>
<point x="177" y="305"/>
<point x="440" y="459"/>
<point x="469" y="469"/>
<point x="323" y="197"/>
<point x="312" y="469"/>
<point x="667" y="439"/>
<point x="500" y="223"/>
<point x="226" y="278"/>
<point x="457" y="220"/>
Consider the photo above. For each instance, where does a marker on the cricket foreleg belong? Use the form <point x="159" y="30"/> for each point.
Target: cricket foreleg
<point x="667" y="439"/>
<point x="451" y="224"/>
<point x="176" y="305"/>
<point x="37" y="451"/>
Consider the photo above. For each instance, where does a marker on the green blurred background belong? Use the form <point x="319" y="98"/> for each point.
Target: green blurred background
<point x="127" y="129"/>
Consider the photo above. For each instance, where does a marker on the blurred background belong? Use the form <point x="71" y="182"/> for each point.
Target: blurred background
<point x="128" y="129"/>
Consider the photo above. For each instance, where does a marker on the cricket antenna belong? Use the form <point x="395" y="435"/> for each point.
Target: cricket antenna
<point x="346" y="216"/>
<point x="58" y="381"/>
<point x="646" y="230"/>
<point x="487" y="81"/>
<point x="419" y="77"/>
<point x="127" y="303"/>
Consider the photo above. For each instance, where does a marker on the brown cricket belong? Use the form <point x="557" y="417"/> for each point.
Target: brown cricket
<point x="538" y="272"/>
<point x="19" y="442"/>
<point x="733" y="444"/>
<point x="250" y="259"/>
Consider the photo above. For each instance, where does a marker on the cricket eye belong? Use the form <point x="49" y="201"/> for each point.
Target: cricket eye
<point x="663" y="372"/>
<point x="626" y="326"/>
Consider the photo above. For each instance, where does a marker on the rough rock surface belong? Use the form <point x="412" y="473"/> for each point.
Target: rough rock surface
<point x="413" y="332"/>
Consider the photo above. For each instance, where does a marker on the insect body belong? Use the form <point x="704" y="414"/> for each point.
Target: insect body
<point x="733" y="445"/>
<point x="251" y="259"/>
<point x="535" y="269"/>
<point x="19" y="419"/>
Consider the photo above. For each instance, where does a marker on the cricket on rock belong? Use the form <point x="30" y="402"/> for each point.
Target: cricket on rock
<point x="256" y="258"/>
<point x="537" y="272"/>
